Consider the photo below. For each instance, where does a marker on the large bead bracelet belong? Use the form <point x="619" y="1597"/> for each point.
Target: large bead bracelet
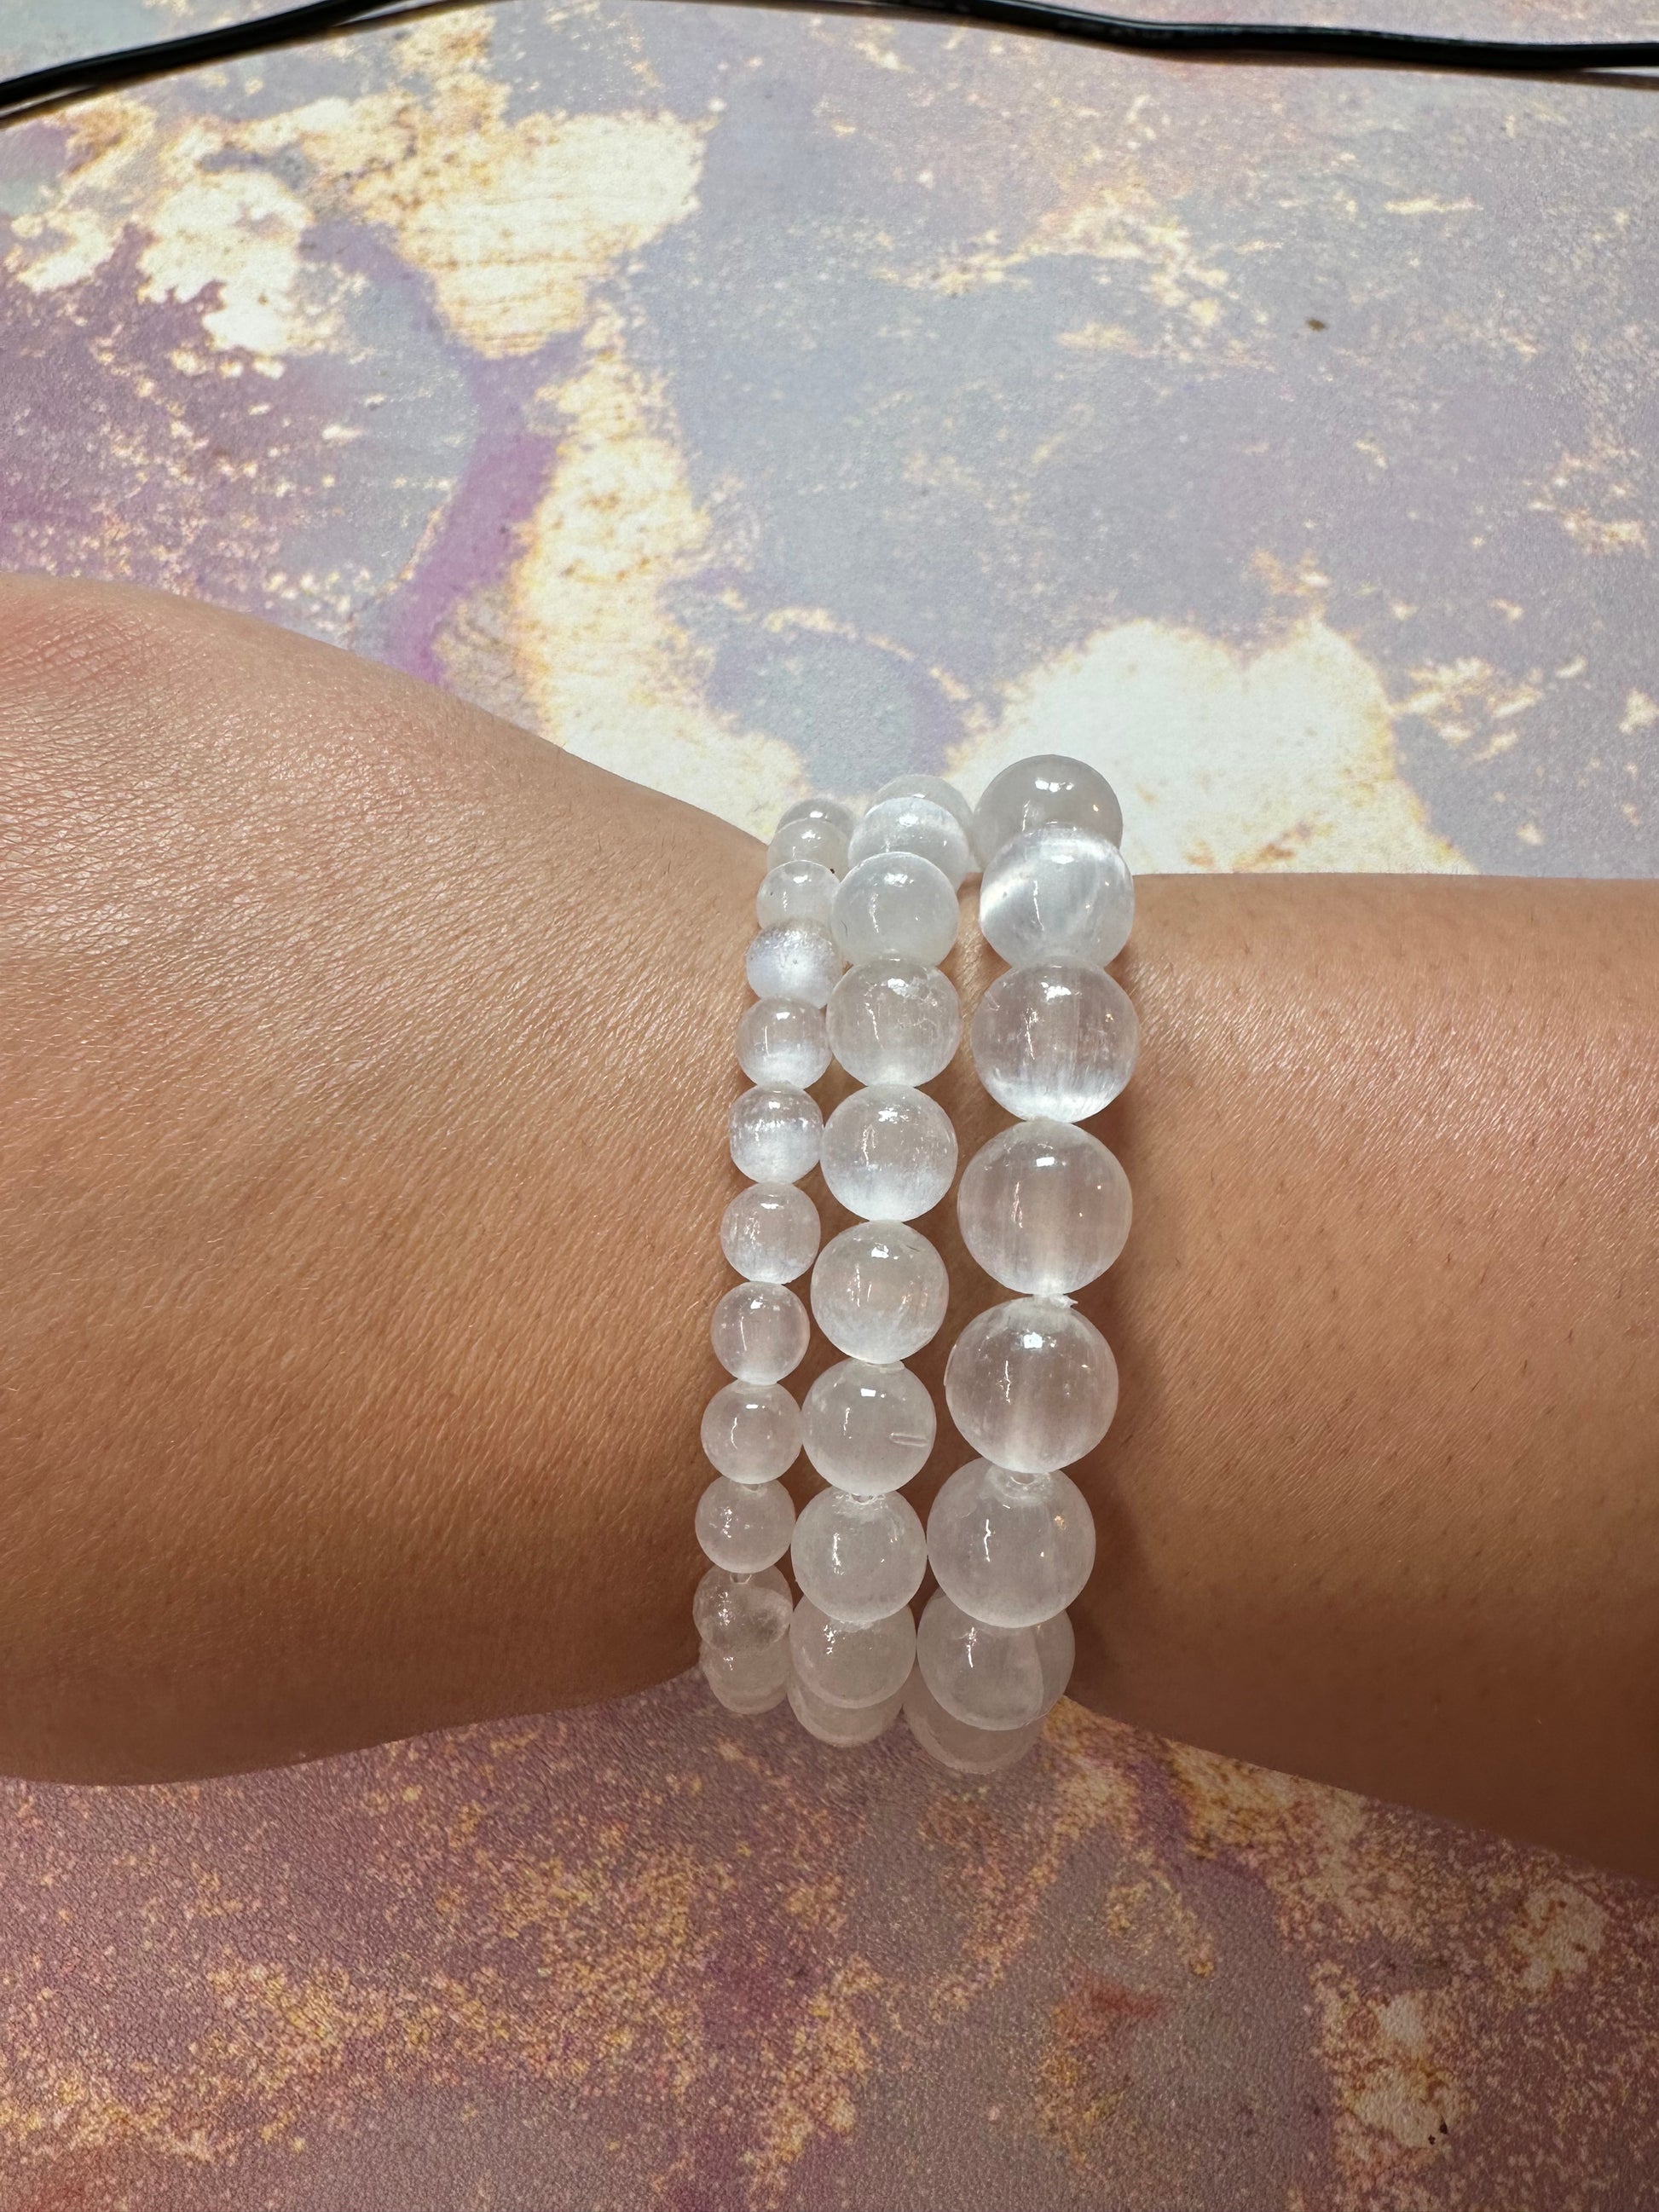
<point x="855" y="915"/>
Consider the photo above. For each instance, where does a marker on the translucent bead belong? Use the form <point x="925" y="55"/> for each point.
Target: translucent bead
<point x="879" y="1292"/>
<point x="1031" y="1384"/>
<point x="841" y="1724"/>
<point x="799" y="890"/>
<point x="776" y="1129"/>
<point x="954" y="1743"/>
<point x="769" y="1232"/>
<point x="842" y="1664"/>
<point x="752" y="1431"/>
<point x="738" y="1614"/>
<point x="918" y="826"/>
<point x="835" y="811"/>
<point x="1048" y="787"/>
<point x="894" y="1021"/>
<point x="929" y="787"/>
<point x="745" y="1526"/>
<point x="867" y="1428"/>
<point x="1057" y="1039"/>
<point x="759" y="1332"/>
<point x="1010" y="1549"/>
<point x="782" y="1042"/>
<point x="1057" y="890"/>
<point x="993" y="1678"/>
<point x="888" y="1153"/>
<point x="894" y="903"/>
<point x="795" y="960"/>
<point x="806" y="840"/>
<point x="747" y="1682"/>
<point x="859" y="1558"/>
<point x="1044" y="1208"/>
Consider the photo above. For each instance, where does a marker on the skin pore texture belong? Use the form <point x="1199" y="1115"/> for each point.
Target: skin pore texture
<point x="365" y="1071"/>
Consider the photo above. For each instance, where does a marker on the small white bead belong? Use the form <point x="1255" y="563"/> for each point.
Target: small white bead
<point x="796" y="960"/>
<point x="804" y="839"/>
<point x="1031" y="1384"/>
<point x="1047" y="787"/>
<point x="888" y="1153"/>
<point x="859" y="1558"/>
<point x="867" y="1428"/>
<point x="1055" y="891"/>
<point x="776" y="1130"/>
<point x="894" y="1021"/>
<point x="747" y="1682"/>
<point x="797" y="890"/>
<point x="782" y="1041"/>
<point x="894" y="903"/>
<point x="929" y="787"/>
<point x="759" y="1332"/>
<point x="879" y="1292"/>
<point x="1010" y="1549"/>
<point x="841" y="1724"/>
<point x="913" y="825"/>
<point x="992" y="1678"/>
<point x="953" y="1743"/>
<point x="818" y="808"/>
<point x="1057" y="1039"/>
<point x="843" y="1664"/>
<point x="740" y="1613"/>
<point x="769" y="1232"/>
<point x="745" y="1526"/>
<point x="1044" y="1208"/>
<point x="752" y="1431"/>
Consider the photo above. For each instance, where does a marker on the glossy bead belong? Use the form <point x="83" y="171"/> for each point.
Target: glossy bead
<point x="888" y="1153"/>
<point x="867" y="1428"/>
<point x="776" y="1130"/>
<point x="818" y="808"/>
<point x="954" y="1743"/>
<point x="752" y="1431"/>
<point x="929" y="787"/>
<point x="759" y="1332"/>
<point x="859" y="1558"/>
<point x="894" y="1021"/>
<point x="1031" y="1384"/>
<point x="1056" y="891"/>
<point x="797" y="890"/>
<point x="739" y="1613"/>
<point x="841" y="1724"/>
<point x="805" y="839"/>
<point x="1047" y="787"/>
<point x="769" y="1232"/>
<point x="879" y="1290"/>
<point x="1056" y="1039"/>
<point x="748" y="1681"/>
<point x="913" y="825"/>
<point x="993" y="1678"/>
<point x="1011" y="1549"/>
<point x="780" y="1041"/>
<point x="745" y="1526"/>
<point x="843" y="1664"/>
<point x="795" y="960"/>
<point x="894" y="903"/>
<point x="1044" y="1208"/>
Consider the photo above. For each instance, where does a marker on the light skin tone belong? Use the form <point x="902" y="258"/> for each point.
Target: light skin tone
<point x="365" y="1069"/>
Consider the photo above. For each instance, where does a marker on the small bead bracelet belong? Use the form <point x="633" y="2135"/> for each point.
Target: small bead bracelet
<point x="855" y="914"/>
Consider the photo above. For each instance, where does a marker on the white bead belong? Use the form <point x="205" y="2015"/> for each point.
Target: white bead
<point x="1044" y="1207"/>
<point x="747" y="1682"/>
<point x="803" y="839"/>
<point x="953" y="1743"/>
<point x="1047" y="787"/>
<point x="740" y="1613"/>
<point x="913" y="825"/>
<point x="888" y="1153"/>
<point x="993" y="1678"/>
<point x="795" y="960"/>
<point x="1031" y="1384"/>
<point x="929" y="787"/>
<point x="1010" y="1549"/>
<point x="894" y="1021"/>
<point x="867" y="1428"/>
<point x="818" y="808"/>
<point x="843" y="1664"/>
<point x="894" y="903"/>
<point x="776" y="1130"/>
<point x="841" y="1724"/>
<point x="797" y="890"/>
<point x="759" y="1332"/>
<point x="859" y="1558"/>
<point x="1056" y="1039"/>
<point x="782" y="1042"/>
<point x="745" y="1526"/>
<point x="1057" y="890"/>
<point x="879" y="1290"/>
<point x="769" y="1232"/>
<point x="752" y="1431"/>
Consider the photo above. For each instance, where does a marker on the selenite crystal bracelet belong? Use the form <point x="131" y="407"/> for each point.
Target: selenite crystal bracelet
<point x="855" y="915"/>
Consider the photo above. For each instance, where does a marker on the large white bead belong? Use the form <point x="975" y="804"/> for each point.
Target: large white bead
<point x="1044" y="1207"/>
<point x="769" y="1232"/>
<point x="759" y="1332"/>
<point x="867" y="1428"/>
<point x="1047" y="787"/>
<point x="954" y="1743"/>
<point x="894" y="903"/>
<point x="748" y="1681"/>
<point x="1031" y="1384"/>
<point x="782" y="1042"/>
<point x="841" y="1724"/>
<point x="805" y="839"/>
<point x="1057" y="890"/>
<point x="844" y="1663"/>
<point x="775" y="1131"/>
<point x="859" y="1558"/>
<point x="1011" y="1549"/>
<point x="795" y="960"/>
<point x="818" y="808"/>
<point x="879" y="1292"/>
<point x="739" y="1613"/>
<point x="993" y="1678"/>
<point x="894" y="1021"/>
<point x="752" y="1431"/>
<point x="745" y="1526"/>
<point x="1057" y="1039"/>
<point x="888" y="1153"/>
<point x="799" y="890"/>
<point x="913" y="825"/>
<point x="929" y="787"/>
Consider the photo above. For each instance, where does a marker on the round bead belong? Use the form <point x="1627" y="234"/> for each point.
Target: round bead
<point x="818" y="808"/>
<point x="752" y="1431"/>
<point x="795" y="960"/>
<point x="776" y="1130"/>
<point x="1048" y="787"/>
<point x="914" y="825"/>
<point x="769" y="1232"/>
<point x="782" y="1041"/>
<point x="954" y="1743"/>
<point x="841" y="1724"/>
<point x="759" y="1332"/>
<point x="859" y="1558"/>
<point x="748" y="1681"/>
<point x="1010" y="1549"/>
<point x="1044" y="1208"/>
<point x="1056" y="1039"/>
<point x="929" y="787"/>
<point x="842" y="1664"/>
<point x="879" y="1292"/>
<point x="1057" y="890"/>
<point x="888" y="1153"/>
<point x="867" y="1428"/>
<point x="894" y="903"/>
<point x="797" y="890"/>
<point x="805" y="839"/>
<point x="894" y="1021"/>
<point x="992" y="1678"/>
<point x="1031" y="1384"/>
<point x="740" y="1613"/>
<point x="745" y="1526"/>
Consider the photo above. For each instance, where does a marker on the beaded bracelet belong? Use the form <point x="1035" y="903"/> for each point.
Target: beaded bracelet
<point x="855" y="918"/>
